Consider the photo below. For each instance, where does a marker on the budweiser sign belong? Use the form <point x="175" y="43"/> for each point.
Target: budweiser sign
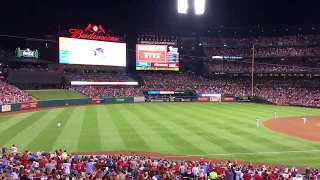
<point x="93" y="32"/>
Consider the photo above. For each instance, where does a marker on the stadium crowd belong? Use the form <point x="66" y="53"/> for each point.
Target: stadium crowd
<point x="246" y="66"/>
<point x="97" y="76"/>
<point x="97" y="92"/>
<point x="263" y="52"/>
<point x="30" y="67"/>
<point x="300" y="40"/>
<point x="63" y="165"/>
<point x="11" y="94"/>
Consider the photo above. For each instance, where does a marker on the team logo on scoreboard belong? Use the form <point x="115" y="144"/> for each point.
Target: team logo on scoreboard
<point x="93" y="32"/>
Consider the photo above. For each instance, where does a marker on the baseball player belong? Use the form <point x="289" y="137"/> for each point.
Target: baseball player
<point x="130" y="106"/>
<point x="275" y="114"/>
<point x="59" y="125"/>
<point x="258" y="122"/>
<point x="304" y="120"/>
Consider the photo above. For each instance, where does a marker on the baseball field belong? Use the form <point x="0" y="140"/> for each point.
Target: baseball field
<point x="225" y="131"/>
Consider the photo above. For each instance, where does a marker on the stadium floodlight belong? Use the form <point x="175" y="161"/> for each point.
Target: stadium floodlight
<point x="199" y="6"/>
<point x="182" y="6"/>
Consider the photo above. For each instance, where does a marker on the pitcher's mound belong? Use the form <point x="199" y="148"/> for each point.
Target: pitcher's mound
<point x="293" y="126"/>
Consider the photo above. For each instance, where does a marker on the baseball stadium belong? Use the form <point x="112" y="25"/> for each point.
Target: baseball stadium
<point x="91" y="104"/>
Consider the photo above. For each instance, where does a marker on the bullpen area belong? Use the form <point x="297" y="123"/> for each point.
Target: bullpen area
<point x="177" y="130"/>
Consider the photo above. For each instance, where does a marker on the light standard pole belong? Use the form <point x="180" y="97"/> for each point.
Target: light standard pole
<point x="252" y="70"/>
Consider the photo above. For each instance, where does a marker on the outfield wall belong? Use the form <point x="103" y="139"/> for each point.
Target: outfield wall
<point x="109" y="100"/>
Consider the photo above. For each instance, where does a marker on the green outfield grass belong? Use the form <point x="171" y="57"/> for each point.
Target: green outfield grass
<point x="225" y="131"/>
<point x="56" y="94"/>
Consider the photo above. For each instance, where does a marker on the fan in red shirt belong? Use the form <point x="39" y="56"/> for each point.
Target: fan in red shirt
<point x="250" y="166"/>
<point x="246" y="176"/>
<point x="24" y="160"/>
<point x="257" y="176"/>
<point x="271" y="176"/>
<point x="80" y="167"/>
<point x="42" y="162"/>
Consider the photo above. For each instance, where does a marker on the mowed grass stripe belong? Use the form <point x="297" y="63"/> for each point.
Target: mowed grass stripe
<point x="130" y="137"/>
<point x="185" y="141"/>
<point x="14" y="129"/>
<point x="69" y="136"/>
<point x="285" y="140"/>
<point x="8" y="121"/>
<point x="221" y="136"/>
<point x="217" y="138"/>
<point x="89" y="140"/>
<point x="109" y="135"/>
<point x="192" y="121"/>
<point x="172" y="140"/>
<point x="48" y="136"/>
<point x="155" y="141"/>
<point x="227" y="115"/>
<point x="25" y="137"/>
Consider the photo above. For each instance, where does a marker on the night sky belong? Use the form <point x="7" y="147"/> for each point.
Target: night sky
<point x="37" y="18"/>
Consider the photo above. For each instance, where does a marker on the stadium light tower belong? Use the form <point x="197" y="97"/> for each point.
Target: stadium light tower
<point x="199" y="6"/>
<point x="183" y="6"/>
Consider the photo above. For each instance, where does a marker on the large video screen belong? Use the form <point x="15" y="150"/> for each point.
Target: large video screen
<point x="89" y="52"/>
<point x="157" y="57"/>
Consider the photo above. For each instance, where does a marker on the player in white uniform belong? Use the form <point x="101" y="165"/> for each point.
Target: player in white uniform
<point x="258" y="122"/>
<point x="304" y="120"/>
<point x="130" y="106"/>
<point x="275" y="114"/>
<point x="59" y="125"/>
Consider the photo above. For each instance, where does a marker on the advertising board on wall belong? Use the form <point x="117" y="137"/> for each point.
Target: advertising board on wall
<point x="215" y="98"/>
<point x="202" y="99"/>
<point x="120" y="100"/>
<point x="244" y="99"/>
<point x="6" y="108"/>
<point x="97" y="101"/>
<point x="228" y="99"/>
<point x="28" y="105"/>
<point x="139" y="99"/>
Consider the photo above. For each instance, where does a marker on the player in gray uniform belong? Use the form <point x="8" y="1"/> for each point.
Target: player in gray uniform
<point x="258" y="122"/>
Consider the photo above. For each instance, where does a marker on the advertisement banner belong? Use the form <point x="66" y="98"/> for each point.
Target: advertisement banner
<point x="216" y="98"/>
<point x="97" y="101"/>
<point x="28" y="105"/>
<point x="160" y="65"/>
<point x="139" y="99"/>
<point x="6" y="108"/>
<point x="228" y="99"/>
<point x="151" y="53"/>
<point x="120" y="100"/>
<point x="158" y="100"/>
<point x="244" y="99"/>
<point x="202" y="99"/>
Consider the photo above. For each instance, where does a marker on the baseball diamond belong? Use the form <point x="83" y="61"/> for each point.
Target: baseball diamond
<point x="210" y="130"/>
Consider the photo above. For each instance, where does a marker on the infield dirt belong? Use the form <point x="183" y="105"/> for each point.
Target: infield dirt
<point x="293" y="126"/>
